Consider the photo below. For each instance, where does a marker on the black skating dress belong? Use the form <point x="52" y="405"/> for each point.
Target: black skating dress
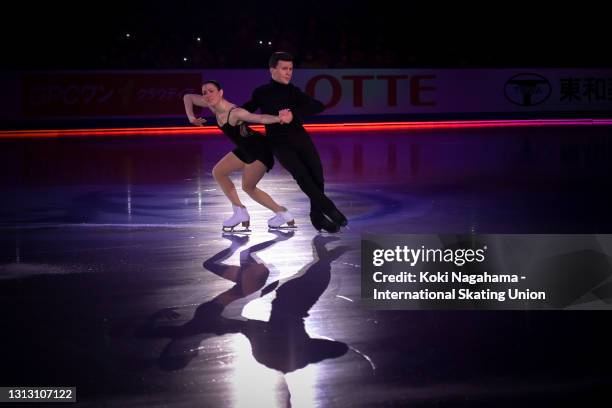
<point x="253" y="146"/>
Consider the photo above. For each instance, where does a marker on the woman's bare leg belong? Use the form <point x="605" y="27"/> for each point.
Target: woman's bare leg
<point x="252" y="174"/>
<point x="227" y="165"/>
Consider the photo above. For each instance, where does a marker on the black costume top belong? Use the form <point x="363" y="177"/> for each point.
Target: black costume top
<point x="250" y="147"/>
<point x="273" y="97"/>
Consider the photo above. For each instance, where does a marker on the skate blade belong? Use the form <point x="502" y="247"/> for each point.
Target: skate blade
<point x="231" y="230"/>
<point x="283" y="227"/>
<point x="235" y="233"/>
<point x="325" y="232"/>
<point x="241" y="227"/>
<point x="291" y="225"/>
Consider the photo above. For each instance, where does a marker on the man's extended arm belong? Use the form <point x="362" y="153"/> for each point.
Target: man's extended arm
<point x="306" y="105"/>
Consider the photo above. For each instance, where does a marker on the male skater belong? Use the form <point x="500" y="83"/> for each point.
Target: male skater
<point x="291" y="143"/>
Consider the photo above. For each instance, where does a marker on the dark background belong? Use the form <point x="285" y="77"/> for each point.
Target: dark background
<point x="322" y="34"/>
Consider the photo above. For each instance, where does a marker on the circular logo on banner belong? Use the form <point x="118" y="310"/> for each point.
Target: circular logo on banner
<point x="527" y="89"/>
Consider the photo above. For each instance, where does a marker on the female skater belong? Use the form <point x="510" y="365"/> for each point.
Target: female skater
<point x="252" y="155"/>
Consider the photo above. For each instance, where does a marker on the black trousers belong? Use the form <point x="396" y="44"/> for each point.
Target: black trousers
<point x="301" y="158"/>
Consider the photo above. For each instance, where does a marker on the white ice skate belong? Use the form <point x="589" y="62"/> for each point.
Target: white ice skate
<point x="240" y="216"/>
<point x="282" y="220"/>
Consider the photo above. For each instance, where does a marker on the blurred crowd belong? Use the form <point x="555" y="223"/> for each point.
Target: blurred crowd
<point x="339" y="34"/>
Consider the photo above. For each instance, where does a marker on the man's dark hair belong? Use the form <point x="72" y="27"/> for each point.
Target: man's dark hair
<point x="215" y="83"/>
<point x="279" y="56"/>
